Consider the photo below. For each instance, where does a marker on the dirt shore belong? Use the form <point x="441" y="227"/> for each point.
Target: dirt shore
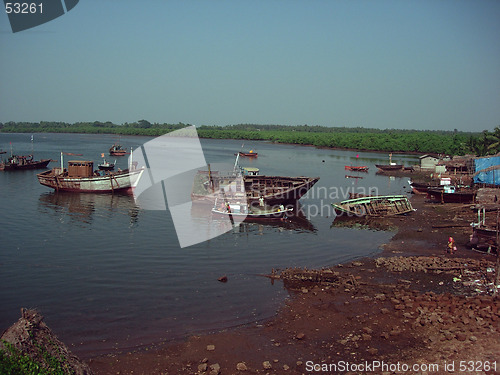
<point x="414" y="305"/>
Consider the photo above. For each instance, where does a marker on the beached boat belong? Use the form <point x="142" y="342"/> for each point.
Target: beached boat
<point x="360" y="168"/>
<point x="117" y="150"/>
<point x="376" y="205"/>
<point x="451" y="194"/>
<point x="274" y="190"/>
<point x="389" y="167"/>
<point x="421" y="187"/>
<point x="250" y="154"/>
<point x="81" y="177"/>
<point x="17" y="162"/>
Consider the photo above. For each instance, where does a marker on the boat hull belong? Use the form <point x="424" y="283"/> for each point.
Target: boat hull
<point x="375" y="206"/>
<point x="252" y="216"/>
<point x="111" y="183"/>
<point x="420" y="188"/>
<point x="274" y="190"/>
<point x="390" y="167"/>
<point x="457" y="197"/>
<point x="248" y="154"/>
<point x="362" y="168"/>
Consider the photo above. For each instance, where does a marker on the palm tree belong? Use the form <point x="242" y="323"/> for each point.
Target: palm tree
<point x="494" y="141"/>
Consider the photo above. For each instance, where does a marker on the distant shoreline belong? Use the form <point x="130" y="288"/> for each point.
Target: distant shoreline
<point x="410" y="142"/>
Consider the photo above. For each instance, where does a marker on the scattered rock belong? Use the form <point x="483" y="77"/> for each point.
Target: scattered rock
<point x="202" y="367"/>
<point x="241" y="366"/>
<point x="223" y="279"/>
<point x="210" y="347"/>
<point x="300" y="336"/>
<point x="267" y="365"/>
<point x="215" y="369"/>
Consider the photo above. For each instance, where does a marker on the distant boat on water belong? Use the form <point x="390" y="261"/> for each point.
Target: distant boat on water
<point x="250" y="154"/>
<point x="106" y="165"/>
<point x="390" y="167"/>
<point x="17" y="162"/>
<point x="117" y="150"/>
<point x="360" y="168"/>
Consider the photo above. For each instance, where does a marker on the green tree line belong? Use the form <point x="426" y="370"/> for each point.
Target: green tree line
<point x="358" y="138"/>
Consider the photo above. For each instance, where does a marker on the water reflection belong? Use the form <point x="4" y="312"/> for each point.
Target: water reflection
<point x="84" y="207"/>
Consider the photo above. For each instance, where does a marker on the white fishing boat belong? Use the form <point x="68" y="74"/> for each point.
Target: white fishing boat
<point x="81" y="177"/>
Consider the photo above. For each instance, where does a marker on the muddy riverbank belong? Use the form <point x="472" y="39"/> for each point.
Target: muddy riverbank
<point x="414" y="305"/>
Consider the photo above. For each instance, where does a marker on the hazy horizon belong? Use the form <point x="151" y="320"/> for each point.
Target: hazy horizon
<point x="388" y="64"/>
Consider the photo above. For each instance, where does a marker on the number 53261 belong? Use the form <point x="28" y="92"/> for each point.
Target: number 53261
<point x="23" y="8"/>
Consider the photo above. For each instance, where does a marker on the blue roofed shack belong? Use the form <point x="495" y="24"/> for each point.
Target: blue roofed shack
<point x="487" y="170"/>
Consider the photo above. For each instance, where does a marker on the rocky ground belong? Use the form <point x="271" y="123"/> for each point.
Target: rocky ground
<point x="414" y="309"/>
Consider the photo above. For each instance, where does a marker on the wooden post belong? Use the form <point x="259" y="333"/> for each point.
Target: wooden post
<point x="496" y="281"/>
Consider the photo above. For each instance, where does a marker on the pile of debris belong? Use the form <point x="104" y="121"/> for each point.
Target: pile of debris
<point x="31" y="337"/>
<point x="432" y="264"/>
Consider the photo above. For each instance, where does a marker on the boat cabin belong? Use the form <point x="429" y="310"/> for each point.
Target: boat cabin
<point x="80" y="168"/>
<point x="250" y="171"/>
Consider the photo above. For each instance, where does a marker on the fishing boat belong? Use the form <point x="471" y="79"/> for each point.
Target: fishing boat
<point x="117" y="150"/>
<point x="390" y="167"/>
<point x="375" y="206"/>
<point x="81" y="177"/>
<point x="17" y="162"/>
<point x="484" y="236"/>
<point x="272" y="189"/>
<point x="239" y="209"/>
<point x="360" y="168"/>
<point x="250" y="154"/>
<point x="451" y="194"/>
<point x="421" y="187"/>
<point x="106" y="165"/>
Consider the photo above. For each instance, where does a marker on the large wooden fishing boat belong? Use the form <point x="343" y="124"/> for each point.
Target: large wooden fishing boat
<point x="377" y="205"/>
<point x="450" y="194"/>
<point x="17" y="162"/>
<point x="81" y="177"/>
<point x="273" y="190"/>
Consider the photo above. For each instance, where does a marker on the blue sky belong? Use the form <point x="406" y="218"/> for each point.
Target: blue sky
<point x="374" y="63"/>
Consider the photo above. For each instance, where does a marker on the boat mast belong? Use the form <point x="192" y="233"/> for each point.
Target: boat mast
<point x="62" y="163"/>
<point x="236" y="162"/>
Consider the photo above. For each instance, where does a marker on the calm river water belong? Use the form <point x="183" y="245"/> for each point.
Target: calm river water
<point x="108" y="275"/>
